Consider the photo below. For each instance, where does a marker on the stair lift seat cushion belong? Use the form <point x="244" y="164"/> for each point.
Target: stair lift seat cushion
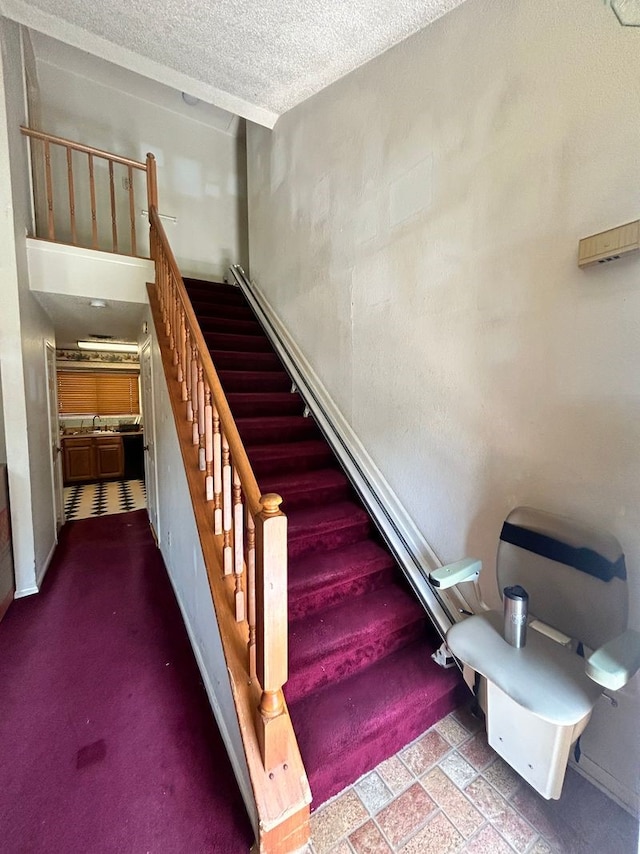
<point x="547" y="679"/>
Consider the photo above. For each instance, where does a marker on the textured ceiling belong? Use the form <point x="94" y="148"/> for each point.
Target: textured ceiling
<point x="257" y="58"/>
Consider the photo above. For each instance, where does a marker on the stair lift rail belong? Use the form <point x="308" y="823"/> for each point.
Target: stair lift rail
<point x="411" y="551"/>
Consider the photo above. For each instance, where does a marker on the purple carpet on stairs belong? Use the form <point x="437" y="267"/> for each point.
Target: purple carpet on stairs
<point x="361" y="680"/>
<point x="107" y="740"/>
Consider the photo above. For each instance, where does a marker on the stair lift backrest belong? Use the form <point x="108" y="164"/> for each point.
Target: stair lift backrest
<point x="575" y="576"/>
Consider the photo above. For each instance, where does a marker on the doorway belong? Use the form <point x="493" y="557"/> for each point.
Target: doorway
<point x="55" y="447"/>
<point x="148" y="414"/>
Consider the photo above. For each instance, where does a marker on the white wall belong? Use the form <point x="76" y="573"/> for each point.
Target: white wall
<point x="180" y="546"/>
<point x="197" y="164"/>
<point x="3" y="445"/>
<point x="23" y="329"/>
<point x="58" y="269"/>
<point x="416" y="227"/>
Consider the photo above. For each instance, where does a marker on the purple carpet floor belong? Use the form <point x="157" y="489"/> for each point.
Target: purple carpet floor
<point x="362" y="683"/>
<point x="107" y="741"/>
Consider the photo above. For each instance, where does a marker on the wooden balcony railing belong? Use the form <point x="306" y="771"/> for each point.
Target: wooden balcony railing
<point x="71" y="192"/>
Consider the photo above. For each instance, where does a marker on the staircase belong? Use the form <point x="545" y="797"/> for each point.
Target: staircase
<point x="361" y="680"/>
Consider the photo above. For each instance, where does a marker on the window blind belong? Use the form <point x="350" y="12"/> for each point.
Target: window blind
<point x="98" y="393"/>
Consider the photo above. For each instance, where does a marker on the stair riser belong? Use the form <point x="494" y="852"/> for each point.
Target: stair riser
<point x="229" y="326"/>
<point x="313" y="601"/>
<point x="238" y="343"/>
<point x="313" y="497"/>
<point x="307" y="542"/>
<point x="220" y="311"/>
<point x="264" y="466"/>
<point x="288" y="404"/>
<point x="214" y="294"/>
<point x="342" y="663"/>
<point x="264" y="433"/>
<point x="227" y="360"/>
<point x="249" y="381"/>
<point x="399" y="726"/>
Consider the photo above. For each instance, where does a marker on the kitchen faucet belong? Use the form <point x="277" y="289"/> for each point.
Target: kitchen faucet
<point x="94" y="421"/>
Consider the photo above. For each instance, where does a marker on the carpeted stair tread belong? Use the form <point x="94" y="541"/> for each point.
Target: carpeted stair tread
<point x="251" y="403"/>
<point x="323" y="579"/>
<point x="233" y="326"/>
<point x="313" y="529"/>
<point x="304" y="488"/>
<point x="231" y="311"/>
<point x="371" y="716"/>
<point x="215" y="292"/>
<point x="231" y="341"/>
<point x="254" y="380"/>
<point x="294" y="456"/>
<point x="192" y="284"/>
<point x="224" y="306"/>
<point x="273" y="429"/>
<point x="338" y="642"/>
<point x="230" y="360"/>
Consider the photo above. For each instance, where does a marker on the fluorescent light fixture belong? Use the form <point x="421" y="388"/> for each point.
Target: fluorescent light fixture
<point x="98" y="303"/>
<point x="108" y="346"/>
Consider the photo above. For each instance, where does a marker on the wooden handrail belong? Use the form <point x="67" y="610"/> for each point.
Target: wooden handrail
<point x="249" y="484"/>
<point x="92" y="236"/>
<point x="78" y="146"/>
<point x="261" y="593"/>
<point x="281" y="794"/>
<point x="244" y="540"/>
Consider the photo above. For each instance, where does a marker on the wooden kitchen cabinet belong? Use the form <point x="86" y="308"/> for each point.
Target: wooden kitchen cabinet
<point x="77" y="459"/>
<point x="87" y="458"/>
<point x="109" y="457"/>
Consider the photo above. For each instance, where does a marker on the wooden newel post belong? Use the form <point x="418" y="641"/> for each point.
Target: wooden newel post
<point x="152" y="182"/>
<point x="271" y="630"/>
<point x="152" y="202"/>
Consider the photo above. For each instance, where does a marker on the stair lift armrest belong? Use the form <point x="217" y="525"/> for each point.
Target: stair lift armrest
<point x="467" y="569"/>
<point x="615" y="662"/>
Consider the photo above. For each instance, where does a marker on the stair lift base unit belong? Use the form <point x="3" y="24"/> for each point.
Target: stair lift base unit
<point x="538" y="698"/>
<point x="537" y="749"/>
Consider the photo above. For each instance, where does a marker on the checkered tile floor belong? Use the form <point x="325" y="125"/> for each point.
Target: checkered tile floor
<point x="100" y="499"/>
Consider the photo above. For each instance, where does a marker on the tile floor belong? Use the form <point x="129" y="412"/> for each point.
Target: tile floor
<point x="105" y="497"/>
<point x="449" y="792"/>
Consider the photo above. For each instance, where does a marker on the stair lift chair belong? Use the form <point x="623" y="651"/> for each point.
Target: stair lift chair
<point x="538" y="699"/>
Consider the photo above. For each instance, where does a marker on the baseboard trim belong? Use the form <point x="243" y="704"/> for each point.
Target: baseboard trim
<point x="35" y="588"/>
<point x="45" y="566"/>
<point x="410" y="548"/>
<point x="26" y="591"/>
<point x="608" y="785"/>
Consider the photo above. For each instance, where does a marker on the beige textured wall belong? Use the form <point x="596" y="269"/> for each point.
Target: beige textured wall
<point x="23" y="329"/>
<point x="416" y="227"/>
